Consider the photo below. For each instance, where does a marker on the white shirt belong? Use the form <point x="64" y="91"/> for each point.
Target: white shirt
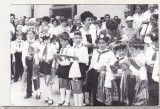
<point x="17" y="46"/>
<point x="137" y="22"/>
<point x="53" y="30"/>
<point x="62" y="29"/>
<point x="25" y="28"/>
<point x="155" y="74"/>
<point x="91" y="32"/>
<point x="65" y="51"/>
<point x="12" y="28"/>
<point x="149" y="54"/>
<point x="142" y="73"/>
<point x="81" y="52"/>
<point x="51" y="50"/>
<point x="146" y="30"/>
<point x="25" y="49"/>
<point x="106" y="59"/>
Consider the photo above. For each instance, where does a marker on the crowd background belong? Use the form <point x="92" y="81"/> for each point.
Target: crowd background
<point x="139" y="31"/>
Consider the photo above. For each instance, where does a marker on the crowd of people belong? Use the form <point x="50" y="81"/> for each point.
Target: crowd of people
<point x="103" y="62"/>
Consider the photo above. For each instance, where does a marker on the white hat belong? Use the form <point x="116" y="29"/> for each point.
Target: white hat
<point x="77" y="17"/>
<point x="33" y="20"/>
<point x="129" y="18"/>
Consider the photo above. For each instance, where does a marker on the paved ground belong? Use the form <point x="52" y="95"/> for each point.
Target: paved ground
<point x="17" y="96"/>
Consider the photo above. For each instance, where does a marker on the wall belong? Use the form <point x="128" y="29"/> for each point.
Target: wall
<point x="101" y="10"/>
<point x="43" y="10"/>
<point x="21" y="10"/>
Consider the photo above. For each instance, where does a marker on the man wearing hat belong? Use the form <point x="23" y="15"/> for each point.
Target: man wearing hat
<point x="129" y="33"/>
<point x="123" y="22"/>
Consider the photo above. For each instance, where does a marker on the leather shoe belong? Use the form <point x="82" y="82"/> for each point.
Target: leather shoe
<point x="28" y="96"/>
<point x="15" y="80"/>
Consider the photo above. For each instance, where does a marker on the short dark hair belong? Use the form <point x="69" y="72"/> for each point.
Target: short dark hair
<point x="136" y="43"/>
<point x="94" y="17"/>
<point x="85" y="14"/>
<point x="77" y="33"/>
<point x="46" y="19"/>
<point x="64" y="36"/>
<point x="112" y="24"/>
<point x="107" y="15"/>
<point x="12" y="15"/>
<point x="120" y="46"/>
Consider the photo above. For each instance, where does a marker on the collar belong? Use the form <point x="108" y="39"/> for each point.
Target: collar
<point x="67" y="46"/>
<point x="105" y="50"/>
<point x="155" y="49"/>
<point x="19" y="41"/>
<point x="31" y="41"/>
<point x="80" y="45"/>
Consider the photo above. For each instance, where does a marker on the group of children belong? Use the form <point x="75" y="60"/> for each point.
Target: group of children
<point x="98" y="71"/>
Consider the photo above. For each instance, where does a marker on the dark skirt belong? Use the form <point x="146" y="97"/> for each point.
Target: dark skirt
<point x="83" y="69"/>
<point x="63" y="71"/>
<point x="45" y="68"/>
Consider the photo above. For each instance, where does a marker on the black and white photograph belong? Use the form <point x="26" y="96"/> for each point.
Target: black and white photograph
<point x="84" y="55"/>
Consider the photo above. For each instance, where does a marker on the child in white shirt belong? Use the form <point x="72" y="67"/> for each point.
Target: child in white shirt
<point x="80" y="53"/>
<point x="101" y="61"/>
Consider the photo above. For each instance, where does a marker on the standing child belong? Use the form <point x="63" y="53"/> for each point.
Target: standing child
<point x="27" y="59"/>
<point x="100" y="70"/>
<point x="16" y="48"/>
<point x="63" y="70"/>
<point x="137" y="80"/>
<point x="81" y="54"/>
<point x="120" y="49"/>
<point x="47" y="52"/>
<point x="152" y="65"/>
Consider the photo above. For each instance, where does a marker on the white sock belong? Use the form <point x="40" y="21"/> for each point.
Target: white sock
<point x="50" y="92"/>
<point x="62" y="93"/>
<point x="75" y="99"/>
<point x="68" y="93"/>
<point x="86" y="97"/>
<point x="80" y="99"/>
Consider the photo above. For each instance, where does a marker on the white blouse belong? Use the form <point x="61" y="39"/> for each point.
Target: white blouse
<point x="81" y="52"/>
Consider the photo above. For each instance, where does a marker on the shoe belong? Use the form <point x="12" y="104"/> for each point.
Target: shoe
<point x="50" y="102"/>
<point x="66" y="104"/>
<point x="28" y="96"/>
<point x="61" y="103"/>
<point x="46" y="100"/>
<point x="38" y="96"/>
<point x="15" y="80"/>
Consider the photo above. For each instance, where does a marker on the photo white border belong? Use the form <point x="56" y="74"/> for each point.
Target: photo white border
<point x="5" y="94"/>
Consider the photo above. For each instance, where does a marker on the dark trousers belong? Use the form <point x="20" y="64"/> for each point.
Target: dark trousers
<point x="92" y="84"/>
<point x="131" y="88"/>
<point x="12" y="70"/>
<point x="153" y="90"/>
<point x="18" y="65"/>
<point x="29" y="63"/>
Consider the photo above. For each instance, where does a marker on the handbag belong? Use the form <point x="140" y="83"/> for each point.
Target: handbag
<point x="74" y="71"/>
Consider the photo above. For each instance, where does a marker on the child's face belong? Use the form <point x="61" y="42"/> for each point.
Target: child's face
<point x="63" y="42"/>
<point x="64" y="23"/>
<point x="156" y="44"/>
<point x="102" y="44"/>
<point x="19" y="36"/>
<point x="77" y="39"/>
<point x="133" y="50"/>
<point x="129" y="23"/>
<point x="88" y="21"/>
<point x="47" y="41"/>
<point x="30" y="35"/>
<point x="45" y="29"/>
<point x="121" y="52"/>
